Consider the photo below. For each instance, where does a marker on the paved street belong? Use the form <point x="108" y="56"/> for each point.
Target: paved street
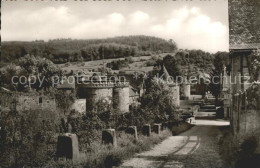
<point x="195" y="148"/>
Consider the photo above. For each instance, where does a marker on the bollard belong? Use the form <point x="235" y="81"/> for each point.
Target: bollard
<point x="67" y="146"/>
<point x="132" y="130"/>
<point x="109" y="137"/>
<point x="146" y="130"/>
<point x="157" y="128"/>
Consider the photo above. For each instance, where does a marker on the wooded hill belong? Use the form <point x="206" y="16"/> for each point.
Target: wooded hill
<point x="65" y="50"/>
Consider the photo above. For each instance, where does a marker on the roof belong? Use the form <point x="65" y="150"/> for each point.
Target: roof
<point x="249" y="46"/>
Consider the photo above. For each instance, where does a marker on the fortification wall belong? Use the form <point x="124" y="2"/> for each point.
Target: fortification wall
<point x="116" y="94"/>
<point x="97" y="94"/>
<point x="26" y="101"/>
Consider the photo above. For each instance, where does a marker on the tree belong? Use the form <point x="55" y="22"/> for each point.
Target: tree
<point x="157" y="103"/>
<point x="171" y="64"/>
<point x="40" y="69"/>
<point x="221" y="60"/>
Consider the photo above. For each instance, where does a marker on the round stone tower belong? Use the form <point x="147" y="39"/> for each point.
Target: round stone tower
<point x="121" y="96"/>
<point x="97" y="93"/>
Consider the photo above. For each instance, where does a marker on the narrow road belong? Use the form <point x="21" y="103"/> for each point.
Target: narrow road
<point x="195" y="148"/>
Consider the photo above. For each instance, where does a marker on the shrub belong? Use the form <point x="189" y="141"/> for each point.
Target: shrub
<point x="28" y="138"/>
<point x="151" y="63"/>
<point x="239" y="150"/>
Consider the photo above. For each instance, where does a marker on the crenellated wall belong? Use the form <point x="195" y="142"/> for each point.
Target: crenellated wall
<point x="116" y="94"/>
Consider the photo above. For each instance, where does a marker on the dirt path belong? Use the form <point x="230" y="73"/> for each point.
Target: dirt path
<point x="195" y="148"/>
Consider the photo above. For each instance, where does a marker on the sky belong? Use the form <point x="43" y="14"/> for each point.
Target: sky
<point x="193" y="24"/>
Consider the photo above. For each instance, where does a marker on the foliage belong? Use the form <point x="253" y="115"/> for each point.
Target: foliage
<point x="34" y="69"/>
<point x="41" y="69"/>
<point x="7" y="73"/>
<point x="118" y="64"/>
<point x="102" y="156"/>
<point x="239" y="150"/>
<point x="157" y="104"/>
<point x="27" y="139"/>
<point x="65" y="50"/>
<point x="64" y="100"/>
<point x="221" y="60"/>
<point x="151" y="62"/>
<point x="255" y="65"/>
<point x="171" y="64"/>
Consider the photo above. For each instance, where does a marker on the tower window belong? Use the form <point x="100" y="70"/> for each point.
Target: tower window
<point x="40" y="100"/>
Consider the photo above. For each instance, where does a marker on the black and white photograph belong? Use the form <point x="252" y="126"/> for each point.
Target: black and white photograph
<point x="130" y="84"/>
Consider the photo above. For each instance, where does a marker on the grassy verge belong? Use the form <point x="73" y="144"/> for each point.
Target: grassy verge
<point x="99" y="155"/>
<point x="106" y="156"/>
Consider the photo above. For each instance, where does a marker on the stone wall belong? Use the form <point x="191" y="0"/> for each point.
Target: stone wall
<point x="116" y="94"/>
<point x="27" y="101"/>
<point x="244" y="21"/>
<point x="95" y="95"/>
<point x="245" y="114"/>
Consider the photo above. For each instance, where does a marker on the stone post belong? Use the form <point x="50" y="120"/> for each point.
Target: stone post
<point x="109" y="136"/>
<point x="146" y="130"/>
<point x="157" y="128"/>
<point x="132" y="130"/>
<point x="67" y="146"/>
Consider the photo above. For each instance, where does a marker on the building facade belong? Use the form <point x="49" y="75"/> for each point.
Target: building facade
<point x="244" y="38"/>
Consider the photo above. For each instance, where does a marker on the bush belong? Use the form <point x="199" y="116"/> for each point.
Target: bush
<point x="151" y="63"/>
<point x="28" y="138"/>
<point x="129" y="59"/>
<point x="239" y="150"/>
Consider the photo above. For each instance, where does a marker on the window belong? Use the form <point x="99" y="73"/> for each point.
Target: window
<point x="40" y="100"/>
